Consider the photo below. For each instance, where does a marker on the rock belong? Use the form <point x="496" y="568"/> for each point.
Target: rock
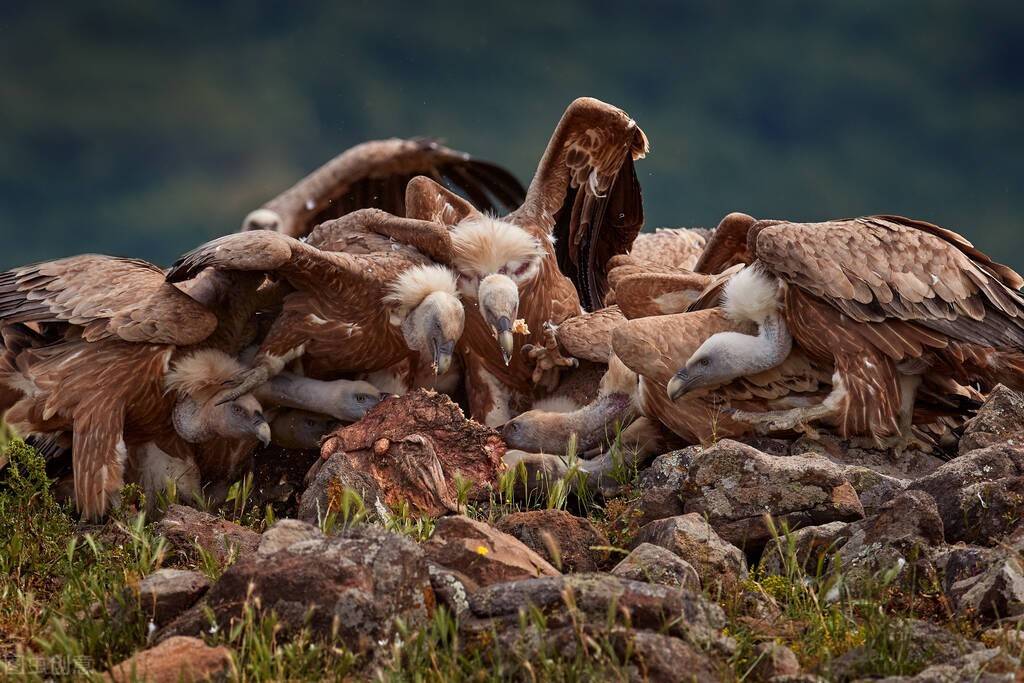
<point x="644" y="606"/>
<point x="184" y="528"/>
<point x="351" y="588"/>
<point x="774" y="660"/>
<point x="951" y="486"/>
<point x="642" y="655"/>
<point x="175" y="660"/>
<point x="900" y="537"/>
<point x="873" y="488"/>
<point x="1000" y="420"/>
<point x="285" y="533"/>
<point x="812" y="547"/>
<point x="407" y="449"/>
<point x="482" y="553"/>
<point x="653" y="564"/>
<point x="718" y="563"/>
<point x="984" y="513"/>
<point x="981" y="666"/>
<point x="166" y="593"/>
<point x="916" y="640"/>
<point x="563" y="539"/>
<point x="905" y="466"/>
<point x="984" y="583"/>
<point x="735" y="486"/>
<point x="660" y="485"/>
<point x="451" y="588"/>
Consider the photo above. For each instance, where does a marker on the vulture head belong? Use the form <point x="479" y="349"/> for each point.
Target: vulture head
<point x="262" y="219"/>
<point x="546" y="428"/>
<point x="750" y="296"/>
<point x="429" y="312"/>
<point x="498" y="297"/>
<point x="482" y="246"/>
<point x="197" y="380"/>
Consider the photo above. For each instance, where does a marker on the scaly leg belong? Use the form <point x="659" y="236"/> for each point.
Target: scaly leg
<point x="548" y="360"/>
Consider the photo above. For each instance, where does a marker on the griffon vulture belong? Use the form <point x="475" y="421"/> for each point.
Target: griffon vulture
<point x="135" y="363"/>
<point x="374" y="175"/>
<point x="347" y="313"/>
<point x="887" y="301"/>
<point x="582" y="207"/>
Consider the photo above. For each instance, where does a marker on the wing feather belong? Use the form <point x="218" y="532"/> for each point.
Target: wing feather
<point x="586" y="193"/>
<point x="374" y="175"/>
<point x="108" y="297"/>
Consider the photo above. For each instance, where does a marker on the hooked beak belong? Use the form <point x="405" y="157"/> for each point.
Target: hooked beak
<point x="263" y="433"/>
<point x="505" y="339"/>
<point x="679" y="384"/>
<point x="443" y="357"/>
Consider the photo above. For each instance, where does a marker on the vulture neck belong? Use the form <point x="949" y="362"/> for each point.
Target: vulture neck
<point x="192" y="422"/>
<point x="768" y="349"/>
<point x="288" y="390"/>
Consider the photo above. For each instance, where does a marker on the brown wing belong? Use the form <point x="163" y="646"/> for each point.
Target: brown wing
<point x="586" y="194"/>
<point x="304" y="266"/>
<point x="878" y="268"/>
<point x="676" y="247"/>
<point x="646" y="294"/>
<point x="727" y="244"/>
<point x="657" y="346"/>
<point x="429" y="238"/>
<point x="375" y="174"/>
<point x="589" y="335"/>
<point x="108" y="297"/>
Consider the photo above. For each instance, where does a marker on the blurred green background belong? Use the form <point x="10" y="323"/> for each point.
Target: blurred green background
<point x="142" y="128"/>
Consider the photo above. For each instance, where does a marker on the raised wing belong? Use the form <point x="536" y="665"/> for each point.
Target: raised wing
<point x="586" y="194"/>
<point x="374" y="175"/>
<point x="108" y="297"/>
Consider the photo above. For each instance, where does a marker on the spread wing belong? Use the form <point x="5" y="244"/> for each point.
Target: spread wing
<point x="589" y="335"/>
<point x="586" y="193"/>
<point x="676" y="247"/>
<point x="375" y="174"/>
<point x="304" y="266"/>
<point x="108" y="297"/>
<point x="880" y="268"/>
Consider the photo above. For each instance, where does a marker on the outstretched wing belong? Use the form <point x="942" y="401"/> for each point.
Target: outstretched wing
<point x="304" y="266"/>
<point x="108" y="297"/>
<point x="880" y="268"/>
<point x="586" y="194"/>
<point x="374" y="175"/>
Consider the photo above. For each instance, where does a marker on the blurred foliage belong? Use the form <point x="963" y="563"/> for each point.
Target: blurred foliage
<point x="141" y="128"/>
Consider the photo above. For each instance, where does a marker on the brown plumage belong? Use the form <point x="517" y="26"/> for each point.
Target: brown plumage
<point x="675" y="247"/>
<point x="652" y="347"/>
<point x="585" y="196"/>
<point x="119" y="329"/>
<point x="374" y="175"/>
<point x="888" y="301"/>
<point x="347" y="312"/>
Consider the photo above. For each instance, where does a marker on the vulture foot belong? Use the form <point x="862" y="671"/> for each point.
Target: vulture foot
<point x="770" y="422"/>
<point x="548" y="360"/>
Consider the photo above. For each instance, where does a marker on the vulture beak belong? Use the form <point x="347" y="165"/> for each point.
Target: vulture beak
<point x="263" y="433"/>
<point x="443" y="356"/>
<point x="679" y="384"/>
<point x="505" y="339"/>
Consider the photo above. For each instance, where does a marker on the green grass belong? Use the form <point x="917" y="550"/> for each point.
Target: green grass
<point x="66" y="611"/>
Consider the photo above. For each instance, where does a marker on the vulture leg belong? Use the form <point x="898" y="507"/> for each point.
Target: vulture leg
<point x="548" y="360"/>
<point x="772" y="421"/>
<point x="907" y="439"/>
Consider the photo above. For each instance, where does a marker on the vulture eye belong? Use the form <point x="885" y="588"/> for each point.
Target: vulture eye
<point x="522" y="269"/>
<point x="362" y="398"/>
<point x="503" y="270"/>
<point x="705" y="362"/>
<point x="236" y="409"/>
